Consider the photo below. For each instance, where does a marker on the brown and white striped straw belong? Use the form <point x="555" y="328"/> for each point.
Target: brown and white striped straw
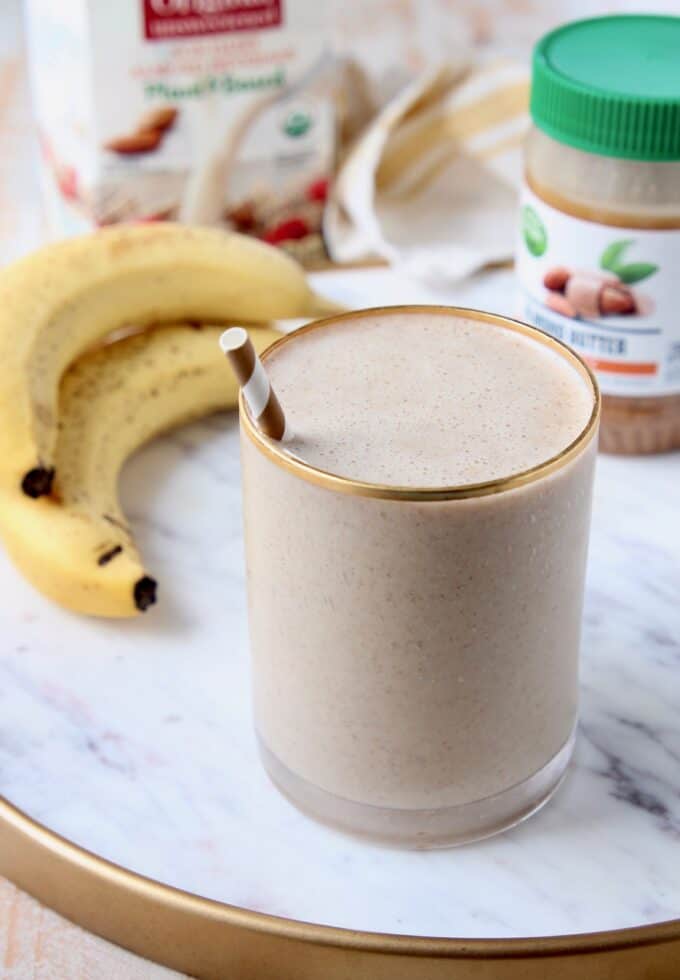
<point x="261" y="400"/>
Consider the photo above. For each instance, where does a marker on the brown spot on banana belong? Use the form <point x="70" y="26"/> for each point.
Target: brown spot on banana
<point x="109" y="555"/>
<point x="116" y="523"/>
<point x="144" y="593"/>
<point x="38" y="482"/>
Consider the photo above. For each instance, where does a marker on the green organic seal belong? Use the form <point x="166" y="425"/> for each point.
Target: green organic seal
<point x="297" y="124"/>
<point x="533" y="231"/>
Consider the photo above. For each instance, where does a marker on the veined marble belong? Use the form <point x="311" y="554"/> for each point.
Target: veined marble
<point x="135" y="740"/>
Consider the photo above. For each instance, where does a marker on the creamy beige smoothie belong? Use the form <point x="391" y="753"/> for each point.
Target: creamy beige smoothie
<point x="415" y="635"/>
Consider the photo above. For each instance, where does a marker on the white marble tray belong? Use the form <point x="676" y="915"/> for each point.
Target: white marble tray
<point x="134" y="739"/>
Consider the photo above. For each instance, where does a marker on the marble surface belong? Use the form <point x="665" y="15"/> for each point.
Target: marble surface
<point x="134" y="739"/>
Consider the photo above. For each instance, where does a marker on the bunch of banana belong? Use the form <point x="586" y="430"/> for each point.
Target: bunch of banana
<point x="60" y="450"/>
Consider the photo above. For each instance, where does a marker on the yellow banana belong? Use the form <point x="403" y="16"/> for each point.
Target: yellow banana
<point x="75" y="545"/>
<point x="59" y="301"/>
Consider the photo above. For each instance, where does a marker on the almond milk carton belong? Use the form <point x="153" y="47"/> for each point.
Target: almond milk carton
<point x="210" y="111"/>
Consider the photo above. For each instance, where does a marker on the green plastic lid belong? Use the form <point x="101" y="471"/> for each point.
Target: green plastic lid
<point x="611" y="85"/>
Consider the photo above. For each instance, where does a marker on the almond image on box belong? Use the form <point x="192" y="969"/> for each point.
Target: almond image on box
<point x="185" y="111"/>
<point x="149" y="133"/>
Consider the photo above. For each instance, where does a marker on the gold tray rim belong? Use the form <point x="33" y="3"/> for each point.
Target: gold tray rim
<point x="72" y="880"/>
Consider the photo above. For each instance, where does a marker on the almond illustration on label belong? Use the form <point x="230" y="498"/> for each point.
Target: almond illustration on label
<point x="587" y="293"/>
<point x="135" y="142"/>
<point x="606" y="291"/>
<point x="148" y="135"/>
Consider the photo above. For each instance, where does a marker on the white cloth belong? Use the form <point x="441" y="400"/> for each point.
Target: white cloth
<point x="431" y="184"/>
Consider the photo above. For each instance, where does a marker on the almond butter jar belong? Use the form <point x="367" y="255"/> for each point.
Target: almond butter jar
<point x="598" y="258"/>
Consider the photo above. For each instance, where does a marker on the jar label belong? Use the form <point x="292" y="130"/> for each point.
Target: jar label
<point x="610" y="293"/>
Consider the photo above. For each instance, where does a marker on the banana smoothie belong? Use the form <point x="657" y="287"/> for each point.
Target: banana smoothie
<point x="416" y="551"/>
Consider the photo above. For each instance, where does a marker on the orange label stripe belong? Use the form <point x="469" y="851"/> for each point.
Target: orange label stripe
<point x="618" y="367"/>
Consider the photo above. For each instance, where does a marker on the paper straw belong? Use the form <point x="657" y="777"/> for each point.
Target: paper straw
<point x="261" y="400"/>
